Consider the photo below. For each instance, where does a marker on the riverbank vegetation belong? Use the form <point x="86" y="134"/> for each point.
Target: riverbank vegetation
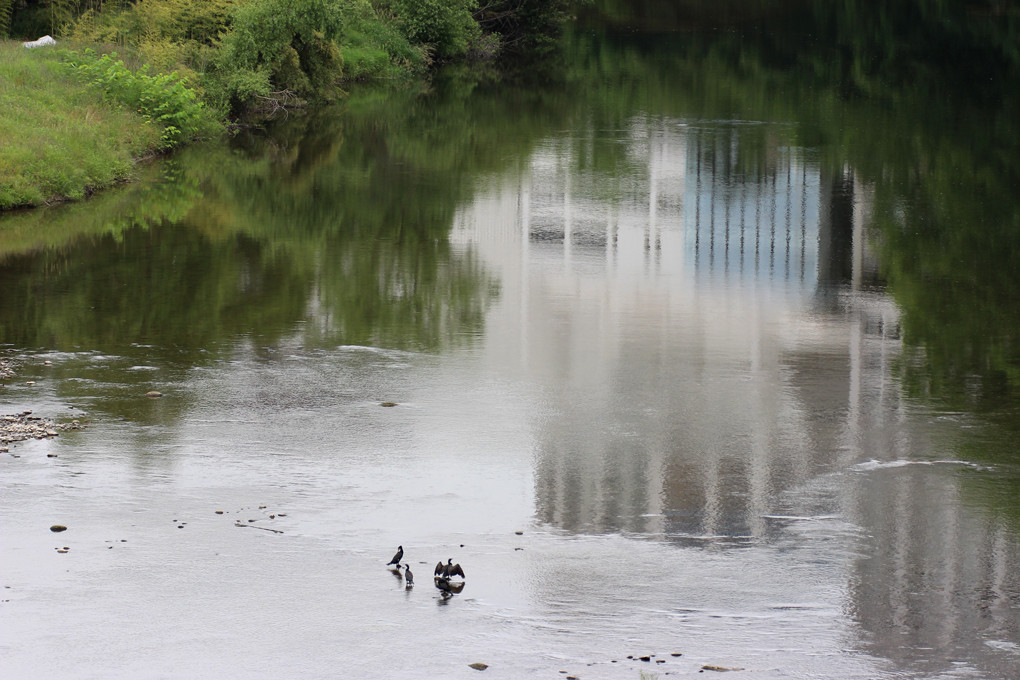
<point x="60" y="137"/>
<point x="154" y="74"/>
<point x="245" y="55"/>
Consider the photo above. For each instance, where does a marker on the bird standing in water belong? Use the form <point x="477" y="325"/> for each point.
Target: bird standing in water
<point x="449" y="569"/>
<point x="396" y="557"/>
<point x="408" y="576"/>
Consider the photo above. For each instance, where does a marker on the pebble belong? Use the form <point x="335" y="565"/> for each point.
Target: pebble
<point x="153" y="394"/>
<point x="57" y="528"/>
<point x="388" y="403"/>
<point x="478" y="666"/>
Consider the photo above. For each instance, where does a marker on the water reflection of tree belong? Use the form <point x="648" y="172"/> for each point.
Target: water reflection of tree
<point x="292" y="224"/>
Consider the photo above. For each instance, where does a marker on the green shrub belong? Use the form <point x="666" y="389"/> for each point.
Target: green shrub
<point x="375" y="47"/>
<point x="164" y="100"/>
<point x="6" y="12"/>
<point x="201" y="21"/>
<point x="279" y="45"/>
<point x="447" y="26"/>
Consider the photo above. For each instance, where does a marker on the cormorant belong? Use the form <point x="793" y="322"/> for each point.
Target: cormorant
<point x="396" y="557"/>
<point x="408" y="576"/>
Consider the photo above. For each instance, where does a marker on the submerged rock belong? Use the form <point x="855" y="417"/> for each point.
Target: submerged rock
<point x="478" y="666"/>
<point x="57" y="528"/>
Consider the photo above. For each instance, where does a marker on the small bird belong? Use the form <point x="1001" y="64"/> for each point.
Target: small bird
<point x="408" y="576"/>
<point x="396" y="557"/>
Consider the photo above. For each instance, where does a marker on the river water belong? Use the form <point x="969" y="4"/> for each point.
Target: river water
<point x="686" y="364"/>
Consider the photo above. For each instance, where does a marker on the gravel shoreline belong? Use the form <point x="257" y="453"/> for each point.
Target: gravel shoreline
<point x="6" y="369"/>
<point x="16" y="427"/>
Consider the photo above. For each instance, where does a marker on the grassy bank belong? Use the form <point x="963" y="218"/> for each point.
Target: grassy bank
<point x="60" y="138"/>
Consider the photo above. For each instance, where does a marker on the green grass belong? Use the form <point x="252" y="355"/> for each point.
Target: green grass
<point x="58" y="139"/>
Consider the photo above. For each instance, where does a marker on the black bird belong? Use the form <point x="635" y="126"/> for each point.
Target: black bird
<point x="408" y="576"/>
<point x="396" y="558"/>
<point x="441" y="568"/>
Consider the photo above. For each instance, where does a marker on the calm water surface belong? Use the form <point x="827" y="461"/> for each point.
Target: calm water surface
<point x="685" y="363"/>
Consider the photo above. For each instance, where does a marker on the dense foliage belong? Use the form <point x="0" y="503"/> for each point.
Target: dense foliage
<point x="248" y="54"/>
<point x="162" y="100"/>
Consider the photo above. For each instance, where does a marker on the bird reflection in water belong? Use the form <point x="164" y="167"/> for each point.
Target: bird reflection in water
<point x="448" y="588"/>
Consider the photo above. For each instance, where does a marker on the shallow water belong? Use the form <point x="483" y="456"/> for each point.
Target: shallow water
<point x="656" y="399"/>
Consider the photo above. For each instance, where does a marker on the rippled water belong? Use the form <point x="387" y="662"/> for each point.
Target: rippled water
<point x="654" y="397"/>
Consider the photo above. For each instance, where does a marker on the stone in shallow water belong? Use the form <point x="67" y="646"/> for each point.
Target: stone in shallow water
<point x="56" y="528"/>
<point x="478" y="666"/>
<point x="153" y="394"/>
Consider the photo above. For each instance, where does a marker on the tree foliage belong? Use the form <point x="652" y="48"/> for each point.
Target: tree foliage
<point x="447" y="26"/>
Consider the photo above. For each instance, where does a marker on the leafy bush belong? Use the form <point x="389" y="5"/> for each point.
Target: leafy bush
<point x="201" y="21"/>
<point x="279" y="45"/>
<point x="375" y="47"/>
<point x="446" y="25"/>
<point x="164" y="100"/>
